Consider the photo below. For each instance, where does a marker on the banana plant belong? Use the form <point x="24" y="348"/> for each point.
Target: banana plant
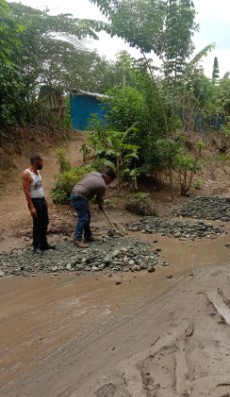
<point x="116" y="152"/>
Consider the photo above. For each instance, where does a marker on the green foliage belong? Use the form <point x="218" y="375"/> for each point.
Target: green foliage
<point x="63" y="162"/>
<point x="85" y="151"/>
<point x="226" y="127"/>
<point x="178" y="33"/>
<point x="183" y="162"/>
<point x="215" y="71"/>
<point x="199" y="183"/>
<point x="47" y="45"/>
<point x="12" y="94"/>
<point x="223" y="96"/>
<point x="125" y="107"/>
<point x="113" y="150"/>
<point x="187" y="165"/>
<point x="67" y="122"/>
<point x="65" y="181"/>
<point x="140" y="204"/>
<point x="166" y="150"/>
<point x="140" y="23"/>
<point x="67" y="178"/>
<point x="10" y="32"/>
<point x="48" y="51"/>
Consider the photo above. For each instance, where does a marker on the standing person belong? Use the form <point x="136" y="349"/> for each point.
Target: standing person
<point x="35" y="197"/>
<point x="93" y="184"/>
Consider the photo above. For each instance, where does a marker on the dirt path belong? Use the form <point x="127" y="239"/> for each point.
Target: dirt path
<point x="164" y="334"/>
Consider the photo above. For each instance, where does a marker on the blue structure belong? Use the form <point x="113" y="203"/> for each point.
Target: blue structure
<point x="83" y="105"/>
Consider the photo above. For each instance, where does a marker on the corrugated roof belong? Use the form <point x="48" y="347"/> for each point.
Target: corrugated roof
<point x="93" y="94"/>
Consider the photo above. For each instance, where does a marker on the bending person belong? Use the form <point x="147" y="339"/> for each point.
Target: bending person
<point x="92" y="185"/>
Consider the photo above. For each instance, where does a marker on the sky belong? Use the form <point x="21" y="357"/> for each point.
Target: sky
<point x="213" y="19"/>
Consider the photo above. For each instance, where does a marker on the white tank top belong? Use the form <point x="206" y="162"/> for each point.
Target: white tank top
<point x="36" y="189"/>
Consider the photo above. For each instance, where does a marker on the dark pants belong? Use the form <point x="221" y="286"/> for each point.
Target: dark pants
<point x="40" y="224"/>
<point x="81" y="206"/>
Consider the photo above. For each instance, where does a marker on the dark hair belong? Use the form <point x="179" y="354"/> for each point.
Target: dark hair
<point x="35" y="157"/>
<point x="111" y="173"/>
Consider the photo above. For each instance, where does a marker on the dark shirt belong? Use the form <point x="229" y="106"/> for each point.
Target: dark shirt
<point x="93" y="184"/>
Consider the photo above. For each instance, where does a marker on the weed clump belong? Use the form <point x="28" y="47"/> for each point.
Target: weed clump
<point x="67" y="178"/>
<point x="140" y="204"/>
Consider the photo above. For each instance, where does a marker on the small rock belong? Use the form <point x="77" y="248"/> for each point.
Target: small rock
<point x="118" y="282"/>
<point x="124" y="249"/>
<point x="2" y="274"/>
<point x="151" y="269"/>
<point x="69" y="266"/>
<point x="169" y="276"/>
<point x="115" y="253"/>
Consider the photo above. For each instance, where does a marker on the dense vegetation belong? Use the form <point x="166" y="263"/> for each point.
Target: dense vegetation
<point x="149" y="107"/>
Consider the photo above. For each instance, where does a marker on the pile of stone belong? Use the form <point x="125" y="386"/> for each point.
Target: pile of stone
<point x="178" y="229"/>
<point x="213" y="208"/>
<point x="112" y="254"/>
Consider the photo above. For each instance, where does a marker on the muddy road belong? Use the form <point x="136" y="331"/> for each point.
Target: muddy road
<point x="111" y="333"/>
<point x="173" y="342"/>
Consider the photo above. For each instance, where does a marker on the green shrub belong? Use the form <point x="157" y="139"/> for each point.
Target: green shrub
<point x="63" y="162"/>
<point x="125" y="107"/>
<point x="140" y="204"/>
<point x="199" y="183"/>
<point x="65" y="182"/>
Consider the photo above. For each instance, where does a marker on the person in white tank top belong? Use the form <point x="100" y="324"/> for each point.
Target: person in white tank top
<point x="35" y="197"/>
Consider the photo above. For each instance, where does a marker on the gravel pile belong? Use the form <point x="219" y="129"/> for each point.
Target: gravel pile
<point x="212" y="208"/>
<point x="113" y="254"/>
<point x="177" y="229"/>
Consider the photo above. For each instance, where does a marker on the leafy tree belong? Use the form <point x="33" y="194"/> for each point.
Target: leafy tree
<point x="224" y="96"/>
<point x="215" y="71"/>
<point x="45" y="37"/>
<point x="112" y="149"/>
<point x="179" y="89"/>
<point x="10" y="33"/>
<point x="12" y="89"/>
<point x="125" y="107"/>
<point x="12" y="94"/>
<point x="179" y="28"/>
<point x="44" y="50"/>
<point x="139" y="23"/>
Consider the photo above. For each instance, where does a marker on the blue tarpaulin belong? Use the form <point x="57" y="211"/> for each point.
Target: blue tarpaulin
<point x="83" y="105"/>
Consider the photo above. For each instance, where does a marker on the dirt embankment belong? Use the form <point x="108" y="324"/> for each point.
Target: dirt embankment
<point x="14" y="214"/>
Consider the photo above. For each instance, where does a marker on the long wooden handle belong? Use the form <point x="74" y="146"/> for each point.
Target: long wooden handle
<point x="110" y="221"/>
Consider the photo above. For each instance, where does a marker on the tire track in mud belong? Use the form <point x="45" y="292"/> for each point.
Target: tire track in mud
<point x="187" y="364"/>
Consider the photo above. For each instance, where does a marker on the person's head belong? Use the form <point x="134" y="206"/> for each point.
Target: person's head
<point x="36" y="161"/>
<point x="109" y="176"/>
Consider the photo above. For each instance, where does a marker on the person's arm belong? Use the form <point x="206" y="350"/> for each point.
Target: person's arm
<point x="26" y="182"/>
<point x="100" y="199"/>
